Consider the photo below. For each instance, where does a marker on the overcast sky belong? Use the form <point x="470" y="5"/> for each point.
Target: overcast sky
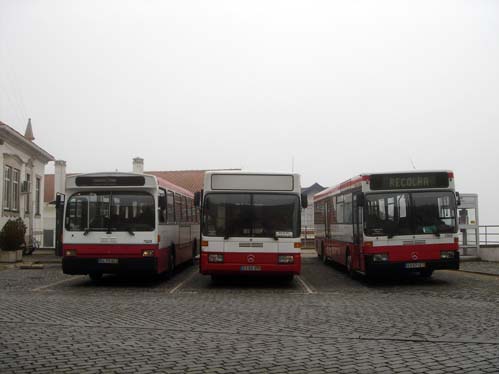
<point x="343" y="87"/>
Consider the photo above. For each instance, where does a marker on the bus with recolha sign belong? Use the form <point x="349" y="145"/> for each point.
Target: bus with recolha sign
<point x="389" y="222"/>
<point x="127" y="223"/>
<point x="250" y="223"/>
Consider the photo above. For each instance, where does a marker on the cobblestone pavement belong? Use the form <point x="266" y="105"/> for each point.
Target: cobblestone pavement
<point x="322" y="322"/>
<point x="485" y="267"/>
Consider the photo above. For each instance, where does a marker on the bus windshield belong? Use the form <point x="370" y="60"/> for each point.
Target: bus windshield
<point x="401" y="213"/>
<point x="251" y="215"/>
<point x="110" y="211"/>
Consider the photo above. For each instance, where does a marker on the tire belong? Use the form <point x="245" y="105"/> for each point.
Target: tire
<point x="216" y="279"/>
<point x="288" y="278"/>
<point x="427" y="273"/>
<point x="95" y="276"/>
<point x="348" y="264"/>
<point x="194" y="251"/>
<point x="171" y="263"/>
<point x="324" y="258"/>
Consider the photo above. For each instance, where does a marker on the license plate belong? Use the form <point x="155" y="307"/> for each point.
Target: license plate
<point x="250" y="268"/>
<point x="107" y="260"/>
<point x="415" y="265"/>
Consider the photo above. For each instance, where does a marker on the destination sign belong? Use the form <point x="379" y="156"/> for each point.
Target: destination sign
<point x="409" y="181"/>
<point x="110" y="181"/>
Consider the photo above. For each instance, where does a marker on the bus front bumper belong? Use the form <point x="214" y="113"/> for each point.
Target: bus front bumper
<point x="245" y="268"/>
<point x="410" y="266"/>
<point x="85" y="265"/>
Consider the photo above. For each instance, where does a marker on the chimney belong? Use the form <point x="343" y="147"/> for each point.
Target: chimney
<point x="29" y="131"/>
<point x="60" y="176"/>
<point x="138" y="165"/>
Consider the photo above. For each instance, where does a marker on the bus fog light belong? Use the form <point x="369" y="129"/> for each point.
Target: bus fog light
<point x="286" y="259"/>
<point x="215" y="257"/>
<point x="148" y="253"/>
<point x="446" y="254"/>
<point x="380" y="257"/>
<point x="70" y="252"/>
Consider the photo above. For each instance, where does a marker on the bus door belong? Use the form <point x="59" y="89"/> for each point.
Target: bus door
<point x="59" y="222"/>
<point x="328" y="209"/>
<point x="357" y="210"/>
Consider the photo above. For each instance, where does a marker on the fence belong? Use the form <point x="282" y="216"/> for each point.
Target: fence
<point x="489" y="235"/>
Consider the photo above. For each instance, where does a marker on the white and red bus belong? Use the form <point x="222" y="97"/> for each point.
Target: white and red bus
<point x="124" y="222"/>
<point x="378" y="223"/>
<point x="251" y="223"/>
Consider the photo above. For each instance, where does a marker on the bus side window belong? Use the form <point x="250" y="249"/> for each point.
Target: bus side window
<point x="178" y="208"/>
<point x="189" y="210"/>
<point x="184" y="209"/>
<point x="170" y="208"/>
<point x="339" y="209"/>
<point x="162" y="205"/>
<point x="347" y="209"/>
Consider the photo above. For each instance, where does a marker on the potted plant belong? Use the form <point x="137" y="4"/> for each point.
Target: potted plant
<point x="11" y="240"/>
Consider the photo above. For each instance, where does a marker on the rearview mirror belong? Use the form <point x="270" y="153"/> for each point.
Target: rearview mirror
<point x="360" y="199"/>
<point x="458" y="198"/>
<point x="304" y="201"/>
<point x="59" y="200"/>
<point x="197" y="198"/>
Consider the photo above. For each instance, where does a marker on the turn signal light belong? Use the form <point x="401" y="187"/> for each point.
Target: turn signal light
<point x="368" y="244"/>
<point x="148" y="253"/>
<point x="298" y="245"/>
<point x="204" y="243"/>
<point x="70" y="252"/>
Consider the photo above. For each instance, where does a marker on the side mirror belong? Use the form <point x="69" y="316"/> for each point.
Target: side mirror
<point x="360" y="199"/>
<point x="458" y="199"/>
<point x="304" y="201"/>
<point x="60" y="199"/>
<point x="197" y="198"/>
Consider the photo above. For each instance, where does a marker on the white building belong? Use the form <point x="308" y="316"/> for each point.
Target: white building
<point x="22" y="178"/>
<point x="307" y="214"/>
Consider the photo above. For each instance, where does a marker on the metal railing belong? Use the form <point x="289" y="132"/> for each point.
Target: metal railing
<point x="489" y="234"/>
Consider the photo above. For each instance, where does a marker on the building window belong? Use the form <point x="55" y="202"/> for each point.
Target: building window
<point x="16" y="174"/>
<point x="37" y="195"/>
<point x="28" y="183"/>
<point x="7" y="179"/>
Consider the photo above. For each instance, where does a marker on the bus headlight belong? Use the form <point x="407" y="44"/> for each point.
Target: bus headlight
<point x="286" y="259"/>
<point x="148" y="253"/>
<point x="215" y="257"/>
<point x="70" y="252"/>
<point x="447" y="254"/>
<point x="380" y="257"/>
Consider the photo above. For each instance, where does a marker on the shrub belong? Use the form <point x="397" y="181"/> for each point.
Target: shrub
<point x="12" y="235"/>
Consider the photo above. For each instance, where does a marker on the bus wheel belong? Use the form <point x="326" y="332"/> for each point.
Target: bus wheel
<point x="427" y="273"/>
<point x="348" y="262"/>
<point x="95" y="276"/>
<point x="171" y="263"/>
<point x="324" y="258"/>
<point x="194" y="251"/>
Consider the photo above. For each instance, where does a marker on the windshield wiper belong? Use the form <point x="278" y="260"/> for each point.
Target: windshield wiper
<point x="437" y="232"/>
<point x="87" y="230"/>
<point x="130" y="231"/>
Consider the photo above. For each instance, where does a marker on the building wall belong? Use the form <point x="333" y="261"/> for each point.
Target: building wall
<point x="14" y="157"/>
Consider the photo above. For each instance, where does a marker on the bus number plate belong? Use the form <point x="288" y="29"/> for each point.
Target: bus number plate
<point x="415" y="265"/>
<point x="107" y="260"/>
<point x="250" y="268"/>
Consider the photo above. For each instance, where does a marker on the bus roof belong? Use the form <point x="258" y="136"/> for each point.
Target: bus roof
<point x="357" y="181"/>
<point x="149" y="181"/>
